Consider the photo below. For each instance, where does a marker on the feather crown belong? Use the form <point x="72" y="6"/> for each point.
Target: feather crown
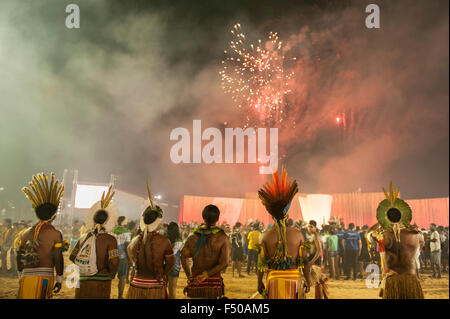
<point x="276" y="195"/>
<point x="41" y="191"/>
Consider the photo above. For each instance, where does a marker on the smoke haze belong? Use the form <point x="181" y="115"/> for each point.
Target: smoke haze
<point x="104" y="98"/>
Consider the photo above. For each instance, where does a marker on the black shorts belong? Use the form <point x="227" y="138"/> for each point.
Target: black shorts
<point x="237" y="254"/>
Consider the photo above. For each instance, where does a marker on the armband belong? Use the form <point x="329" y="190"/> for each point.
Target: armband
<point x="59" y="279"/>
<point x="113" y="253"/>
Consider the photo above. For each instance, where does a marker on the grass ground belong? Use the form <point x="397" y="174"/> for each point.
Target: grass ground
<point x="243" y="288"/>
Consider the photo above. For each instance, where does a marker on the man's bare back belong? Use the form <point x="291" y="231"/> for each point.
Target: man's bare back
<point x="294" y="238"/>
<point x="154" y="258"/>
<point x="213" y="258"/>
<point x="400" y="256"/>
<point x="48" y="237"/>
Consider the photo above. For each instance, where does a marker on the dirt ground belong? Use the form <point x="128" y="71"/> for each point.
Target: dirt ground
<point x="244" y="288"/>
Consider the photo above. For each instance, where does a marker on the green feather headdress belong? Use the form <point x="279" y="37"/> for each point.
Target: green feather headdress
<point x="387" y="211"/>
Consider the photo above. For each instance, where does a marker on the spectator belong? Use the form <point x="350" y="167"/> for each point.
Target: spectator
<point x="237" y="249"/>
<point x="364" y="257"/>
<point x="253" y="242"/>
<point x="173" y="233"/>
<point x="333" y="251"/>
<point x="352" y="249"/>
<point x="340" y="257"/>
<point x="435" y="248"/>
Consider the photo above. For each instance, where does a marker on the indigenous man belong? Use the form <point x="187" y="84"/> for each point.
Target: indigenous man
<point x="283" y="250"/>
<point x="209" y="248"/>
<point x="152" y="256"/>
<point x="96" y="251"/>
<point x="318" y="275"/>
<point x="123" y="237"/>
<point x="401" y="241"/>
<point x="40" y="247"/>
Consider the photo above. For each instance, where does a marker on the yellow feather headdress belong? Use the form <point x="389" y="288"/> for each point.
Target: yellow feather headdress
<point x="393" y="195"/>
<point x="387" y="211"/>
<point x="150" y="197"/>
<point x="104" y="202"/>
<point x="42" y="192"/>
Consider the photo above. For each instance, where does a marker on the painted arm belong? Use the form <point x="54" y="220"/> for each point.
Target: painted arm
<point x="185" y="255"/>
<point x="224" y="259"/>
<point x="261" y="286"/>
<point x="59" y="262"/>
<point x="169" y="258"/>
<point x="132" y="249"/>
<point x="113" y="256"/>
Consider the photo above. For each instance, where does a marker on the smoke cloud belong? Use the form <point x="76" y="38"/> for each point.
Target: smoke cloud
<point x="104" y="98"/>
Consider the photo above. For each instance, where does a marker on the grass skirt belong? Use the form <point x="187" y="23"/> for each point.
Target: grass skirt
<point x="403" y="286"/>
<point x="36" y="283"/>
<point x="93" y="289"/>
<point x="284" y="284"/>
<point x="211" y="288"/>
<point x="146" y="293"/>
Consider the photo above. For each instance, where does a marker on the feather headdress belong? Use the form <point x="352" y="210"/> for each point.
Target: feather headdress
<point x="276" y="195"/>
<point x="44" y="192"/>
<point x="105" y="204"/>
<point x="41" y="192"/>
<point x="393" y="211"/>
<point x="153" y="226"/>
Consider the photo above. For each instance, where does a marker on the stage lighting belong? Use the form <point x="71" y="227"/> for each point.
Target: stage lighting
<point x="87" y="195"/>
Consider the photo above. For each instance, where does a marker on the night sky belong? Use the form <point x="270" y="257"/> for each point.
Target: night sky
<point x="104" y="98"/>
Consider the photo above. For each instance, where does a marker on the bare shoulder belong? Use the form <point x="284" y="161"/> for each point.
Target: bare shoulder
<point x="221" y="234"/>
<point x="50" y="232"/>
<point x="295" y="234"/>
<point x="27" y="233"/>
<point x="191" y="240"/>
<point x="108" y="238"/>
<point x="162" y="239"/>
<point x="223" y="238"/>
<point x="413" y="230"/>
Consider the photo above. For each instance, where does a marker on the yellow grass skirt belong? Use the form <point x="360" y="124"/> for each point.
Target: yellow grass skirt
<point x="36" y="287"/>
<point x="403" y="286"/>
<point x="284" y="284"/>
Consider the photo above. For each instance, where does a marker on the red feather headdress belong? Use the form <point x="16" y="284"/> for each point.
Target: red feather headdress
<point x="276" y="195"/>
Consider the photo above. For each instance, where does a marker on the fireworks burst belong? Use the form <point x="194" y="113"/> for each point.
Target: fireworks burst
<point x="254" y="76"/>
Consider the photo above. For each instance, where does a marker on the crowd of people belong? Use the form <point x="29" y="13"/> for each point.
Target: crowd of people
<point x="345" y="252"/>
<point x="148" y="255"/>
